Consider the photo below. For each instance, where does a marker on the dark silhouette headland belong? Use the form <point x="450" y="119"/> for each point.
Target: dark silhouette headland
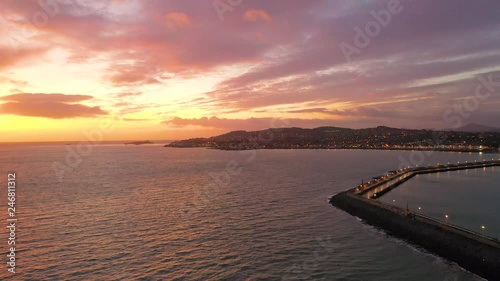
<point x="343" y="138"/>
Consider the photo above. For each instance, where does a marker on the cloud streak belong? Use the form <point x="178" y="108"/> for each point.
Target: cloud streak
<point x="232" y="124"/>
<point x="54" y="106"/>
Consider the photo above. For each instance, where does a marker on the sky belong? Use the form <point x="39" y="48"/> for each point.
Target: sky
<point x="162" y="69"/>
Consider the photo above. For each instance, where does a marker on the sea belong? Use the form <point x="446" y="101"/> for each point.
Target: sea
<point x="117" y="212"/>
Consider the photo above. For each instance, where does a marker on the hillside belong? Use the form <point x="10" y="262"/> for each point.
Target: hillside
<point x="334" y="137"/>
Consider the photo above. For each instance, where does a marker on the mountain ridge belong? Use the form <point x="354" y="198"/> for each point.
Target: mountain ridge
<point x="380" y="137"/>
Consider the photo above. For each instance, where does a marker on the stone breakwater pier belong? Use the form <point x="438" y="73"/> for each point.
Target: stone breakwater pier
<point x="475" y="252"/>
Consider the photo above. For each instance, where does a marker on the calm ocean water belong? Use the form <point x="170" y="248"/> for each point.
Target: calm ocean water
<point x="154" y="213"/>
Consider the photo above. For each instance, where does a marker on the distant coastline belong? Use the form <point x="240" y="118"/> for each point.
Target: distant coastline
<point x="379" y="138"/>
<point x="139" y="142"/>
<point x="465" y="150"/>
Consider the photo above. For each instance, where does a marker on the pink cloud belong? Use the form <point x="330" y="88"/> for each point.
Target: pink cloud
<point x="10" y="56"/>
<point x="254" y="15"/>
<point x="131" y="74"/>
<point x="54" y="106"/>
<point x="227" y="124"/>
<point x="175" y="20"/>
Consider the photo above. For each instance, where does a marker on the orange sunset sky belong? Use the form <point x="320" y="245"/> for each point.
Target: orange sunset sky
<point x="177" y="69"/>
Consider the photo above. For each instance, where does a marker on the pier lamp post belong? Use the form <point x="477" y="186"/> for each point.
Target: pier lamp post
<point x="482" y="229"/>
<point x="446" y="217"/>
<point x="419" y="208"/>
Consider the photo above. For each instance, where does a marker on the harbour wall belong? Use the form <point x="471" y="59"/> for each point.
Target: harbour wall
<point x="474" y="252"/>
